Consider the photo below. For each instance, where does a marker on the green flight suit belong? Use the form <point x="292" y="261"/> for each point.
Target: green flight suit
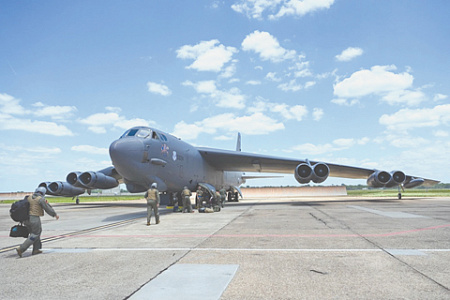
<point x="152" y="197"/>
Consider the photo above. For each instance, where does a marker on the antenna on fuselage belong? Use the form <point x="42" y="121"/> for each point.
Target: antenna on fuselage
<point x="238" y="144"/>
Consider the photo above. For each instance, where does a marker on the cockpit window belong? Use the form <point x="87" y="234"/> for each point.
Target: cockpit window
<point x="143" y="133"/>
<point x="131" y="132"/>
<point x="140" y="133"/>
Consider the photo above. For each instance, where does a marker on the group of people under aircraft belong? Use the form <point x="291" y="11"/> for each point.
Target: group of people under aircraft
<point x="38" y="204"/>
<point x="205" y="202"/>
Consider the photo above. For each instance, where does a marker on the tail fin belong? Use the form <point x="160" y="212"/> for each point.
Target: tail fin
<point x="238" y="144"/>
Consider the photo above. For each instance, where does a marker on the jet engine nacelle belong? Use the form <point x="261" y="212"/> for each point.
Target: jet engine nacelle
<point x="73" y="179"/>
<point x="385" y="179"/>
<point x="103" y="179"/>
<point x="397" y="178"/>
<point x="379" y="179"/>
<point x="45" y="185"/>
<point x="304" y="173"/>
<point x="97" y="180"/>
<point x="59" y="188"/>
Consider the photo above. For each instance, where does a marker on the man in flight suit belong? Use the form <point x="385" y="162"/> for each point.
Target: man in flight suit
<point x="187" y="205"/>
<point x="199" y="197"/>
<point x="37" y="206"/>
<point x="152" y="196"/>
<point x="223" y="195"/>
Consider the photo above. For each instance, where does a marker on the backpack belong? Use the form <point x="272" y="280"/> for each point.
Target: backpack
<point x="20" y="210"/>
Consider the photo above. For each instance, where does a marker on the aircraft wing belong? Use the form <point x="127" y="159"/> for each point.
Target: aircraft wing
<point x="248" y="162"/>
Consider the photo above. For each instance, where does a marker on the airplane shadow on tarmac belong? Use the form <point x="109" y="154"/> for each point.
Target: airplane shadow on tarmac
<point x="321" y="202"/>
<point x="143" y="206"/>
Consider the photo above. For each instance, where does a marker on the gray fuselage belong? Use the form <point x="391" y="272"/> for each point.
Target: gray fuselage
<point x="143" y="156"/>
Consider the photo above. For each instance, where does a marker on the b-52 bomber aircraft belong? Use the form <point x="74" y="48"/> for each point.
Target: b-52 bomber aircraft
<point x="143" y="155"/>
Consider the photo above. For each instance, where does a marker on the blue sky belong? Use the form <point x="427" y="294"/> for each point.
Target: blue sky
<point x="363" y="83"/>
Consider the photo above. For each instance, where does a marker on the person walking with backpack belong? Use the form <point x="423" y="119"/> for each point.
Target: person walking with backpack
<point x="38" y="204"/>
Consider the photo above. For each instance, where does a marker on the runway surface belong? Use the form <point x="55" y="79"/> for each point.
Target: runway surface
<point x="288" y="248"/>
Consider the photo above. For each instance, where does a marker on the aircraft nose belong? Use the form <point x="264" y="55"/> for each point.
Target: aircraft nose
<point x="125" y="151"/>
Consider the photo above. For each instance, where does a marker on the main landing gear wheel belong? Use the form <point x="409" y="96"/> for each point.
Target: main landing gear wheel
<point x="233" y="197"/>
<point x="400" y="188"/>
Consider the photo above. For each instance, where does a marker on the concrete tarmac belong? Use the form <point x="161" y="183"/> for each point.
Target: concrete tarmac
<point x="288" y="248"/>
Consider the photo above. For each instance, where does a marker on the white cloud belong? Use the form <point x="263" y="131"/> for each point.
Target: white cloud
<point x="309" y="84"/>
<point x="207" y="55"/>
<point x="439" y="97"/>
<point x="54" y="112"/>
<point x="301" y="7"/>
<point x="344" y="143"/>
<point x="202" y="87"/>
<point x="37" y="149"/>
<point x="97" y="129"/>
<point x="255" y="124"/>
<point x="409" y="142"/>
<point x="411" y="98"/>
<point x="272" y="76"/>
<point x="363" y="141"/>
<point x="256" y="8"/>
<point x="231" y="98"/>
<point x="336" y="145"/>
<point x="98" y="122"/>
<point x="101" y="119"/>
<point x="441" y="133"/>
<point x="406" y="119"/>
<point x="10" y="123"/>
<point x="377" y="80"/>
<point x="126" y="124"/>
<point x="267" y="46"/>
<point x="187" y="131"/>
<point x="296" y="112"/>
<point x="11" y="105"/>
<point x="435" y="153"/>
<point x="402" y="139"/>
<point x="90" y="149"/>
<point x="157" y="88"/>
<point x="229" y="71"/>
<point x="345" y="102"/>
<point x="301" y="68"/>
<point x="349" y="54"/>
<point x="253" y="82"/>
<point x="291" y="86"/>
<point x="317" y="114"/>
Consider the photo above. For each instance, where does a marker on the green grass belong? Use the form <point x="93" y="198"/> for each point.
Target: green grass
<point x="87" y="199"/>
<point x="394" y="192"/>
<point x="354" y="193"/>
